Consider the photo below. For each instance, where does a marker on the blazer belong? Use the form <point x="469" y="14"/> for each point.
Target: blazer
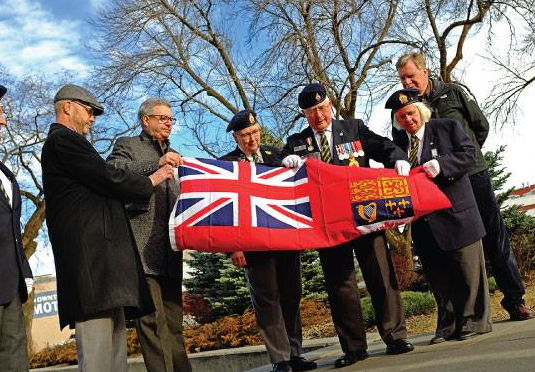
<point x="374" y="146"/>
<point x="14" y="266"/>
<point x="270" y="156"/>
<point x="150" y="221"/>
<point x="460" y="225"/>
<point x="98" y="267"/>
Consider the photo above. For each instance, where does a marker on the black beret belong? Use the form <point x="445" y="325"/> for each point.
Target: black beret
<point x="78" y="93"/>
<point x="311" y="95"/>
<point x="243" y="119"/>
<point x="401" y="98"/>
<point x="3" y="90"/>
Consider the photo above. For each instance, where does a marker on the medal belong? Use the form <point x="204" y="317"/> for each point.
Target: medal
<point x="353" y="162"/>
<point x="339" y="152"/>
<point x="309" y="143"/>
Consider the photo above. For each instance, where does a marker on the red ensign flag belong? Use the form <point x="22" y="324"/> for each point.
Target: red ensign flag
<point x="239" y="206"/>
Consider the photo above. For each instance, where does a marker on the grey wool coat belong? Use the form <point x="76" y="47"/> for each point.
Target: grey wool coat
<point x="149" y="221"/>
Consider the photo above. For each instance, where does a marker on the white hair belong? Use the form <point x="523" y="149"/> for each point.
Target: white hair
<point x="425" y="115"/>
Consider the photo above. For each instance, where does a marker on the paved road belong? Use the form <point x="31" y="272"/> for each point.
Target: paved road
<point x="510" y="347"/>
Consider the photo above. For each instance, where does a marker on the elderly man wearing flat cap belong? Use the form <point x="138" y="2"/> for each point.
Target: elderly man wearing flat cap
<point x="15" y="274"/>
<point x="99" y="273"/>
<point x="448" y="241"/>
<point x="350" y="142"/>
<point x="274" y="278"/>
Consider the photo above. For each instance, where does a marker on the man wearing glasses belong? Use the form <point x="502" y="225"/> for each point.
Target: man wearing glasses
<point x="160" y="333"/>
<point x="350" y="142"/>
<point x="99" y="273"/>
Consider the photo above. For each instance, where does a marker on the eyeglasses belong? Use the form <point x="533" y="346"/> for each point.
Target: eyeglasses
<point x="163" y="118"/>
<point x="253" y="133"/>
<point x="311" y="111"/>
<point x="89" y="109"/>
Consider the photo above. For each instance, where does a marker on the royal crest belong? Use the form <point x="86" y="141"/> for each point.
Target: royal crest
<point x="251" y="118"/>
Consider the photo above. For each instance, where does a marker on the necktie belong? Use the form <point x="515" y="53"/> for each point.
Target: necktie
<point x="413" y="153"/>
<point x="325" y="150"/>
<point x="255" y="157"/>
<point x="4" y="192"/>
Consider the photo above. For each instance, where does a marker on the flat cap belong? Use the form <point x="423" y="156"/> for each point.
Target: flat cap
<point x="77" y="93"/>
<point x="3" y="90"/>
<point x="243" y="119"/>
<point x="312" y="95"/>
<point x="401" y="98"/>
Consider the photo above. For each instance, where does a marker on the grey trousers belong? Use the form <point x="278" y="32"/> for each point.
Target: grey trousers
<point x="101" y="343"/>
<point x="13" y="346"/>
<point x="459" y="283"/>
<point x="160" y="333"/>
<point x="275" y="287"/>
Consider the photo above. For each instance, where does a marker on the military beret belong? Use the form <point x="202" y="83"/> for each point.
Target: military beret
<point x="243" y="119"/>
<point x="401" y="98"/>
<point x="312" y="95"/>
<point x="73" y="92"/>
<point x="3" y="90"/>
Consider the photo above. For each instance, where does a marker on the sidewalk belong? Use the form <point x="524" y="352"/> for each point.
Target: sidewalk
<point x="509" y="347"/>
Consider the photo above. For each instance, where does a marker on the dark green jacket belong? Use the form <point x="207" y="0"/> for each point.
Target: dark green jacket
<point x="449" y="101"/>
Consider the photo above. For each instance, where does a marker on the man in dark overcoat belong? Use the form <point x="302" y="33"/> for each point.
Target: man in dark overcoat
<point x="448" y="241"/>
<point x="15" y="275"/>
<point x="160" y="333"/>
<point x="274" y="278"/>
<point x="342" y="143"/>
<point x="99" y="274"/>
<point x="449" y="101"/>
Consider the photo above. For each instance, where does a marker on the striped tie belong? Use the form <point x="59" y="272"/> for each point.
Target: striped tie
<point x="255" y="157"/>
<point x="413" y="153"/>
<point x="4" y="192"/>
<point x="325" y="150"/>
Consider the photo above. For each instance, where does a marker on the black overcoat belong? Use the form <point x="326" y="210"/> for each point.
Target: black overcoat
<point x="97" y="263"/>
<point x="13" y="263"/>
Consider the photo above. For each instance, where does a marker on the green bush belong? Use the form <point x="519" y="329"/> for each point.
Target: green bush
<point x="414" y="303"/>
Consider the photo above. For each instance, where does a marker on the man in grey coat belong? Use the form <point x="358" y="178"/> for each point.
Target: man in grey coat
<point x="160" y="333"/>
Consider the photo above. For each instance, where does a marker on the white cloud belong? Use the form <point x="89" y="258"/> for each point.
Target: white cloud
<point x="33" y="39"/>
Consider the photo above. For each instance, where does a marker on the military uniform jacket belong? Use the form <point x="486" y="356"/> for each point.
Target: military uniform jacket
<point x="150" y="221"/>
<point x="449" y="101"/>
<point x="14" y="266"/>
<point x="97" y="263"/>
<point x="374" y="146"/>
<point x="460" y="225"/>
<point x="270" y="156"/>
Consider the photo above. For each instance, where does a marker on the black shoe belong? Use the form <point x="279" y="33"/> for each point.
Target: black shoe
<point x="400" y="346"/>
<point x="350" y="358"/>
<point x="299" y="364"/>
<point x="521" y="312"/>
<point x="437" y="340"/>
<point x="465" y="335"/>
<point x="282" y="367"/>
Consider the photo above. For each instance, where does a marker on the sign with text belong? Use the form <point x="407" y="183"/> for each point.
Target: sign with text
<point x="45" y="304"/>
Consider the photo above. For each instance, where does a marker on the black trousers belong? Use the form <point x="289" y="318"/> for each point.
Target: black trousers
<point x="375" y="263"/>
<point x="13" y="346"/>
<point x="496" y="243"/>
<point x="160" y="333"/>
<point x="275" y="287"/>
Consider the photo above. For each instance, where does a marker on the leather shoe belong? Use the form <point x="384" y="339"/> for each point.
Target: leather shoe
<point x="350" y="358"/>
<point x="521" y="312"/>
<point x="400" y="346"/>
<point x="437" y="340"/>
<point x="299" y="364"/>
<point x="465" y="335"/>
<point x="282" y="367"/>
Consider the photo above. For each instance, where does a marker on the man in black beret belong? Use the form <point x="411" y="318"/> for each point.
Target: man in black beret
<point x="274" y="278"/>
<point x="15" y="274"/>
<point x="350" y="142"/>
<point x="99" y="272"/>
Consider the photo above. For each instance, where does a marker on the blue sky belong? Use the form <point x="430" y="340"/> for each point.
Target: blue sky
<point x="49" y="36"/>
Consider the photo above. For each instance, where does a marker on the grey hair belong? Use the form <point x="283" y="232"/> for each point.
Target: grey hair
<point x="147" y="106"/>
<point x="425" y="114"/>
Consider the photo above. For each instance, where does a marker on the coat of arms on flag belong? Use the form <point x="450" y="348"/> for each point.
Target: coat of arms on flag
<point x="229" y="206"/>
